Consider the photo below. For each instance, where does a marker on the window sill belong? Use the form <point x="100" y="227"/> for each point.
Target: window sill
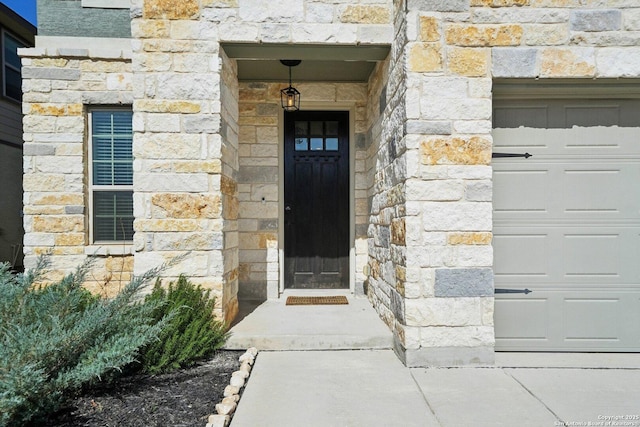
<point x="107" y="249"/>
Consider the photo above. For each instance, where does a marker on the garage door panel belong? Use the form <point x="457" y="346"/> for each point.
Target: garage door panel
<point x="591" y="319"/>
<point x="589" y="255"/>
<point x="522" y="319"/>
<point x="578" y="319"/>
<point x="533" y="141"/>
<point x="593" y="190"/>
<point x="592" y="142"/>
<point x="598" y="189"/>
<point x="567" y="225"/>
<point x="599" y="255"/>
<point x="534" y="183"/>
<point x="550" y="254"/>
<point x="523" y="255"/>
<point x="574" y="189"/>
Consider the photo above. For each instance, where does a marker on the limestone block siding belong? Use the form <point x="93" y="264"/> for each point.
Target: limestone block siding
<point x="59" y="88"/>
<point x="454" y="51"/>
<point x="186" y="149"/>
<point x="207" y="170"/>
<point x="287" y="21"/>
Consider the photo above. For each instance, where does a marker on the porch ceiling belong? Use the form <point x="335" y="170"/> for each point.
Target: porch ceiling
<point x="260" y="62"/>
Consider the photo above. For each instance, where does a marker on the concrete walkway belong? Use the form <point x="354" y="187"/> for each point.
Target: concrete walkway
<point x="335" y="367"/>
<point x="372" y="388"/>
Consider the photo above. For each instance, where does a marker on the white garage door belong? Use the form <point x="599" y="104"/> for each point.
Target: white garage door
<point x="567" y="225"/>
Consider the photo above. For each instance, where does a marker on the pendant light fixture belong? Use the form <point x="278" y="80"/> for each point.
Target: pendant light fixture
<point x="290" y="97"/>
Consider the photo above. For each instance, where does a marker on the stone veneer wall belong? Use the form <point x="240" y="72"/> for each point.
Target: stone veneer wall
<point x="454" y="51"/>
<point x="258" y="190"/>
<point x="449" y="287"/>
<point x="229" y="130"/>
<point x="184" y="155"/>
<point x="259" y="187"/>
<point x="60" y="86"/>
<point x="427" y="149"/>
<point x="185" y="143"/>
<point x="387" y="166"/>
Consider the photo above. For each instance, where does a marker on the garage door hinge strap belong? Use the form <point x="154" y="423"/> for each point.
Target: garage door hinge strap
<point x="513" y="291"/>
<point x="500" y="155"/>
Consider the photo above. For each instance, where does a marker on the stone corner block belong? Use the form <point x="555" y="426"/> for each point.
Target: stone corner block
<point x="464" y="282"/>
<point x="514" y="62"/>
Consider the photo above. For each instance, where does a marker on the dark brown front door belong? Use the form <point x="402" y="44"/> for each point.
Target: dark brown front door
<point x="316" y="199"/>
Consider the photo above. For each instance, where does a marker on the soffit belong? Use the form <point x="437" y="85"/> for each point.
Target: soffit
<point x="260" y="62"/>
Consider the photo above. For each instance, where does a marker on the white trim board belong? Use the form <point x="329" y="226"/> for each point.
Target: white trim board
<point x="107" y="4"/>
<point x="92" y="43"/>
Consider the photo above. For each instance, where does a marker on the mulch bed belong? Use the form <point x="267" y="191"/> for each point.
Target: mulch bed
<point x="182" y="398"/>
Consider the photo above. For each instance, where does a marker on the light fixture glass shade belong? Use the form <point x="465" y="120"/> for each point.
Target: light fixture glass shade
<point x="290" y="99"/>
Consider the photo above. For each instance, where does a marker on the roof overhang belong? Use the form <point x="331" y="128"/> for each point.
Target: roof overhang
<point x="326" y="63"/>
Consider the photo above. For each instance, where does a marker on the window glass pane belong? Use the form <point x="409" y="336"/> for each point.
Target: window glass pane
<point x="11" y="68"/>
<point x="11" y="46"/>
<point x="123" y="173"/>
<point x="302" y="144"/>
<point x="113" y="215"/>
<point x="332" y="128"/>
<point x="302" y="128"/>
<point x="316" y="144"/>
<point x="317" y="128"/>
<point x="122" y="122"/>
<point x="13" y="84"/>
<point x="102" y="173"/>
<point x="331" y="144"/>
<point x="112" y="137"/>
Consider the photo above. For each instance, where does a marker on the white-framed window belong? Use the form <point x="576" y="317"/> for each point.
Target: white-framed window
<point x="111" y="175"/>
<point x="11" y="66"/>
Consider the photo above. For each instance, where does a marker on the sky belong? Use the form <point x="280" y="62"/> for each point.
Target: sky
<point x="24" y="8"/>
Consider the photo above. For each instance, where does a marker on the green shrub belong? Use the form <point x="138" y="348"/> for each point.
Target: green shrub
<point x="192" y="334"/>
<point x="56" y="339"/>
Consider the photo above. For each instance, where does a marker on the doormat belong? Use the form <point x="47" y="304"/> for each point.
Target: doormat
<point x="333" y="300"/>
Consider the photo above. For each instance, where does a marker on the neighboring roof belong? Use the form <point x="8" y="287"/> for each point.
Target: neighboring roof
<point x="17" y="24"/>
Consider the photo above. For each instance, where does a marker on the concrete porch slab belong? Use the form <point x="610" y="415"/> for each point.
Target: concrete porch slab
<point x="272" y="325"/>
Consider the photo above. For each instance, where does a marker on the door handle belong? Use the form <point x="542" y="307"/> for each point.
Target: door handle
<point x="287" y="209"/>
